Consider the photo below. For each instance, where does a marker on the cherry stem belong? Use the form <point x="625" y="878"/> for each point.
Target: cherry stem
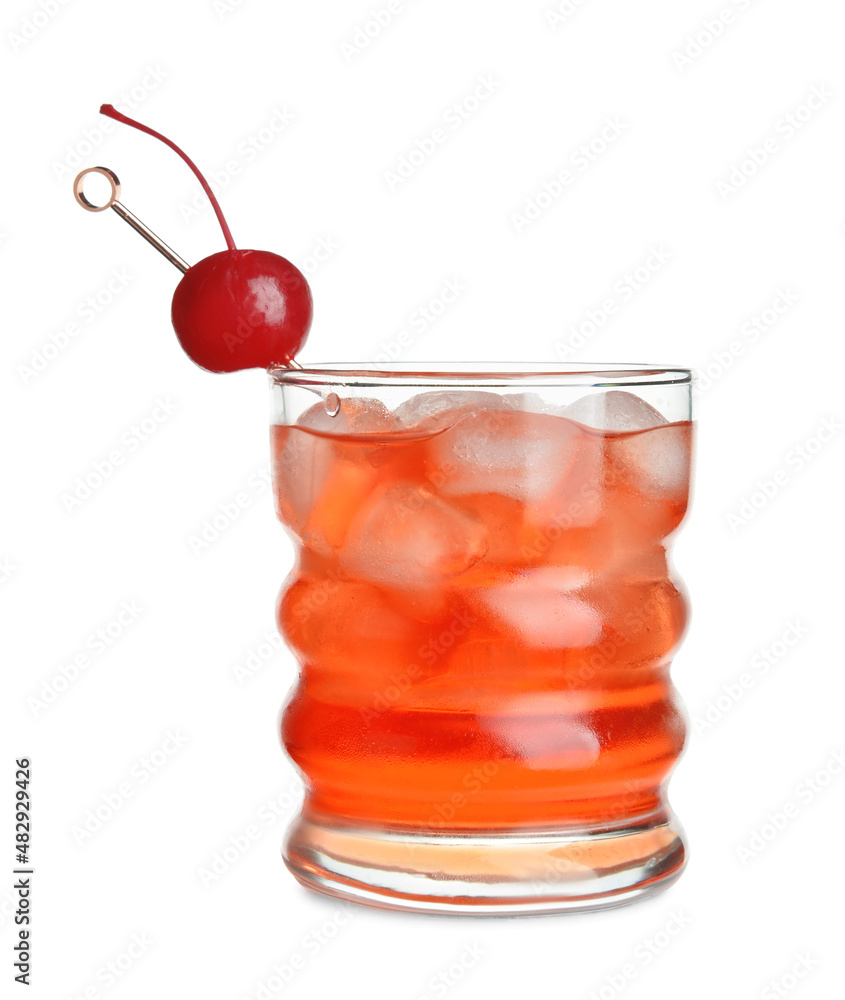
<point x="111" y="112"/>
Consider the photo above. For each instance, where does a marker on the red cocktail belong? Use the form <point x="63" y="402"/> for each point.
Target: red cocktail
<point x="481" y="607"/>
<point x="484" y="619"/>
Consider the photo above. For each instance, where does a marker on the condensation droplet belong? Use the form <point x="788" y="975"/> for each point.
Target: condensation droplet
<point x="332" y="404"/>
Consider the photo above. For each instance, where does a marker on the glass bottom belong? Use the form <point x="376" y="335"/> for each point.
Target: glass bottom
<point x="487" y="874"/>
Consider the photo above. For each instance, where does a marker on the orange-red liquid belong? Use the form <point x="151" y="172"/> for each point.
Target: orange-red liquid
<point x="521" y="678"/>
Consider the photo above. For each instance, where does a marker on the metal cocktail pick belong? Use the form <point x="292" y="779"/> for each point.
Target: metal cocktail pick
<point x="124" y="213"/>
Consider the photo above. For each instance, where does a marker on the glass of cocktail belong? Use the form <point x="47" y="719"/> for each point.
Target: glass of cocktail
<point x="484" y="618"/>
<point x="482" y="607"/>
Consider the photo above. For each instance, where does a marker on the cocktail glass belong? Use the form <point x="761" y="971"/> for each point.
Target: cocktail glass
<point x="484" y="618"/>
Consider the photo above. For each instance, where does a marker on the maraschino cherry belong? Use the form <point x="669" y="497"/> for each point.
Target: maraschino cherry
<point x="237" y="308"/>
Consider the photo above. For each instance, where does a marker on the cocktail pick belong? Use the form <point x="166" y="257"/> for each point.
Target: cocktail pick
<point x="124" y="213"/>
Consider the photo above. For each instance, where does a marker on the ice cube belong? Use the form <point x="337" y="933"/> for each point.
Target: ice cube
<point x="301" y="462"/>
<point x="441" y="408"/>
<point x="614" y="411"/>
<point x="510" y="452"/>
<point x="351" y="630"/>
<point x="319" y="480"/>
<point x="333" y="618"/>
<point x="407" y="537"/>
<point x="542" y="607"/>
<point x="545" y="729"/>
<point x="646" y="617"/>
<point x="530" y="402"/>
<point x="655" y="461"/>
<point x="354" y="416"/>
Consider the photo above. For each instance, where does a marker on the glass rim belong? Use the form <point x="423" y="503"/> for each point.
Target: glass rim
<point x="479" y="373"/>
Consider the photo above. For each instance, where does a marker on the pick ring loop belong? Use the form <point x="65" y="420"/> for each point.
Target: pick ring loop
<point x="110" y="176"/>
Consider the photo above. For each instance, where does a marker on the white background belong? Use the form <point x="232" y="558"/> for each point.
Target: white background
<point x="214" y="75"/>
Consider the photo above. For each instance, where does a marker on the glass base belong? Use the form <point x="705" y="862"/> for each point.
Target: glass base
<point x="487" y="874"/>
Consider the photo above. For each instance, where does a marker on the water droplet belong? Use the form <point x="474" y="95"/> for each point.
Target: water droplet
<point x="332" y="404"/>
